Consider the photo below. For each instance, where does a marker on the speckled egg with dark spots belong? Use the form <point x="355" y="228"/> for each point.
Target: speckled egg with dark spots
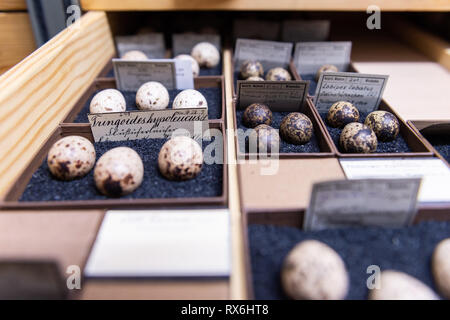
<point x="265" y="138"/>
<point x="256" y="114"/>
<point x="341" y="113"/>
<point x="326" y="68"/>
<point x="358" y="138"/>
<point x="296" y="128"/>
<point x="180" y="158"/>
<point x="255" y="79"/>
<point x="384" y="124"/>
<point x="278" y="74"/>
<point x="118" y="172"/>
<point x="71" y="157"/>
<point x="251" y="69"/>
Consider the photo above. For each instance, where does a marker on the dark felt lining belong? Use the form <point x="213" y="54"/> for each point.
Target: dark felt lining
<point x="395" y="146"/>
<point x="407" y="249"/>
<point x="441" y="143"/>
<point x="311" y="147"/>
<point x="43" y="187"/>
<point x="212" y="95"/>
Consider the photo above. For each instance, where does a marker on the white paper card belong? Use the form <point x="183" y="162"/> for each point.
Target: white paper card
<point x="256" y="29"/>
<point x="364" y="91"/>
<point x="435" y="174"/>
<point x="182" y="43"/>
<point x="305" y="30"/>
<point x="346" y="203"/>
<point x="271" y="54"/>
<point x="162" y="243"/>
<point x="173" y="74"/>
<point x="310" y="56"/>
<point x="152" y="44"/>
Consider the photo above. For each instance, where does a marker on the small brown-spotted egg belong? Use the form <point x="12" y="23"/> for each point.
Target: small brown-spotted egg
<point x="71" y="157"/>
<point x="384" y="124"/>
<point x="180" y="158"/>
<point x="341" y="113"/>
<point x="296" y="128"/>
<point x="135" y="55"/>
<point x="109" y="100"/>
<point x="189" y="98"/>
<point x="251" y="69"/>
<point x="358" y="138"/>
<point x="267" y="138"/>
<point x="278" y="74"/>
<point x="206" y="54"/>
<point x="326" y="68"/>
<point x="152" y="96"/>
<point x="256" y="114"/>
<point x="118" y="172"/>
<point x="194" y="63"/>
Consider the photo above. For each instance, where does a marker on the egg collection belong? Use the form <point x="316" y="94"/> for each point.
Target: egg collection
<point x="252" y="70"/>
<point x="120" y="170"/>
<point x="295" y="128"/>
<point x="356" y="137"/>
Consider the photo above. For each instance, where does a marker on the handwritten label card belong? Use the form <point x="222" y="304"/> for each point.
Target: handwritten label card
<point x="365" y="91"/>
<point x="182" y="43"/>
<point x="162" y="243"/>
<point x="152" y="44"/>
<point x="157" y="124"/>
<point x="305" y="30"/>
<point x="346" y="203"/>
<point x="279" y="95"/>
<point x="435" y="174"/>
<point x="310" y="56"/>
<point x="271" y="54"/>
<point x="173" y="74"/>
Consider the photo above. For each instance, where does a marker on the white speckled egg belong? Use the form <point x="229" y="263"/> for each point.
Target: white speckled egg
<point x="109" y="100"/>
<point x="71" y="157"/>
<point x="180" y="158"/>
<point x="135" y="55"/>
<point x="254" y="79"/>
<point x="194" y="63"/>
<point x="119" y="172"/>
<point x="152" y="96"/>
<point x="206" y="54"/>
<point x="278" y="74"/>
<point x="189" y="99"/>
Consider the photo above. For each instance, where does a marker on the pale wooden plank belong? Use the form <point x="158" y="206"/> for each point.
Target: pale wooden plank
<point x="7" y="5"/>
<point x="16" y="39"/>
<point x="238" y="277"/>
<point x="331" y="5"/>
<point x="37" y="94"/>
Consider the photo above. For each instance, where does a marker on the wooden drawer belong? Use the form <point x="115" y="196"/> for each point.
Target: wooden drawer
<point x="7" y="5"/>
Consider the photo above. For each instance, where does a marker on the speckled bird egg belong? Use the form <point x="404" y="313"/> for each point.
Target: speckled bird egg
<point x="384" y="124"/>
<point x="341" y="113"/>
<point x="256" y="114"/>
<point x="251" y="68"/>
<point x="109" y="100"/>
<point x="206" y="54"/>
<point x="180" y="158"/>
<point x="152" y="96"/>
<point x="189" y="98"/>
<point x="314" y="271"/>
<point x="266" y="138"/>
<point x="296" y="128"/>
<point x="118" y="172"/>
<point x="254" y="79"/>
<point x="71" y="157"/>
<point x="441" y="267"/>
<point x="135" y="55"/>
<point x="194" y="63"/>
<point x="396" y="285"/>
<point x="358" y="138"/>
<point x="278" y="74"/>
<point x="326" y="68"/>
